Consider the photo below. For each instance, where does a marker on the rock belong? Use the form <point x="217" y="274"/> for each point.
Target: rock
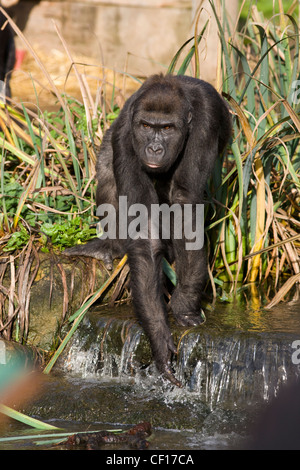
<point x="59" y="289"/>
<point x="60" y="286"/>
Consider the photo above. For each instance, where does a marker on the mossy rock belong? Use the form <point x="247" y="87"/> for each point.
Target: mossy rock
<point x="59" y="289"/>
<point x="60" y="286"/>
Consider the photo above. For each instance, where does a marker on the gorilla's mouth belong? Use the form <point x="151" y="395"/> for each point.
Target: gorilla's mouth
<point x="153" y="165"/>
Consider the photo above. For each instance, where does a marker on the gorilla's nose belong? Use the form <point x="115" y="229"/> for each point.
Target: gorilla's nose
<point x="155" y="149"/>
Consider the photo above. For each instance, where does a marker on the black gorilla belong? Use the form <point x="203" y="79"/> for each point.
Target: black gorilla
<point x="7" y="52"/>
<point x="161" y="150"/>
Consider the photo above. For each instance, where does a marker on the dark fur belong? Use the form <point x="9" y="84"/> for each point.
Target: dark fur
<point x="201" y="127"/>
<point x="7" y="53"/>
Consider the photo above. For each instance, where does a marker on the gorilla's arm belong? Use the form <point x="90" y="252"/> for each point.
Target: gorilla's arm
<point x="144" y="257"/>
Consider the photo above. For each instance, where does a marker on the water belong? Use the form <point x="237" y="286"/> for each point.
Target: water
<point x="231" y="368"/>
<point x="234" y="357"/>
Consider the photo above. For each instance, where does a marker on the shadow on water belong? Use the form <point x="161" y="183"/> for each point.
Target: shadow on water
<point x="231" y="367"/>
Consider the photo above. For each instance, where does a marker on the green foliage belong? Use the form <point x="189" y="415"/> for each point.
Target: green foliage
<point x="69" y="233"/>
<point x="46" y="168"/>
<point x="264" y="178"/>
<point x="77" y="110"/>
<point x="13" y="191"/>
<point x="17" y="240"/>
<point x="24" y="419"/>
<point x="268" y="8"/>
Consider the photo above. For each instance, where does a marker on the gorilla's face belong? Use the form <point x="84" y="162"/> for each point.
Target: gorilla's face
<point x="159" y="129"/>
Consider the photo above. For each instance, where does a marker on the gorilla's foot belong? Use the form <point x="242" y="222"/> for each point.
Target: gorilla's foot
<point x="189" y="318"/>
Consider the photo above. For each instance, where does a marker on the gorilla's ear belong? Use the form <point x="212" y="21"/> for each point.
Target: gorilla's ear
<point x="190" y="117"/>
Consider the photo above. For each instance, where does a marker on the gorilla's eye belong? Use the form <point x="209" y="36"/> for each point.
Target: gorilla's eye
<point x="146" y="126"/>
<point x="166" y="128"/>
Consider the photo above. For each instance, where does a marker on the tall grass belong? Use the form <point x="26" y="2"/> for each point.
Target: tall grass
<point x="48" y="164"/>
<point x="255" y="230"/>
<point x="253" y="221"/>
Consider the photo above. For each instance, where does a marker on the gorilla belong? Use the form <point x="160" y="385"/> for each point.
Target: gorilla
<point x="160" y="151"/>
<point x="7" y="53"/>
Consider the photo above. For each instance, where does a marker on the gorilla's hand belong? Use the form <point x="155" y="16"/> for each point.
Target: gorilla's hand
<point x="95" y="249"/>
<point x="163" y="347"/>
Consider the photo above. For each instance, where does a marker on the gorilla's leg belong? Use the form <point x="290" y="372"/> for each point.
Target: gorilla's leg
<point x="191" y="274"/>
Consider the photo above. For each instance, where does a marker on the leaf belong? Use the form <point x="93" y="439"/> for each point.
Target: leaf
<point x="17" y="240"/>
<point x="35" y="423"/>
<point x="260" y="216"/>
<point x="284" y="290"/>
<point x="229" y="70"/>
<point x="25" y="194"/>
<point x="243" y="119"/>
<point x="188" y="57"/>
<point x="170" y="273"/>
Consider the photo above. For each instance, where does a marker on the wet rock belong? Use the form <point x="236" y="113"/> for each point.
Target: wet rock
<point x="75" y="399"/>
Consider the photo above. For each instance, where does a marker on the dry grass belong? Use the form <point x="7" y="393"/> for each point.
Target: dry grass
<point x="29" y="82"/>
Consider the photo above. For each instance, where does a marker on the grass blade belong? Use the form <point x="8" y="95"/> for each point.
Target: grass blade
<point x="229" y="70"/>
<point x="34" y="423"/>
<point x="284" y="290"/>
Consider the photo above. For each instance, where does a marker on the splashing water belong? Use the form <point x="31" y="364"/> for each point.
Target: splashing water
<point x="230" y="366"/>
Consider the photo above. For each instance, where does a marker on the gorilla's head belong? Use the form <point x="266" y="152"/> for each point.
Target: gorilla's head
<point x="161" y="116"/>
